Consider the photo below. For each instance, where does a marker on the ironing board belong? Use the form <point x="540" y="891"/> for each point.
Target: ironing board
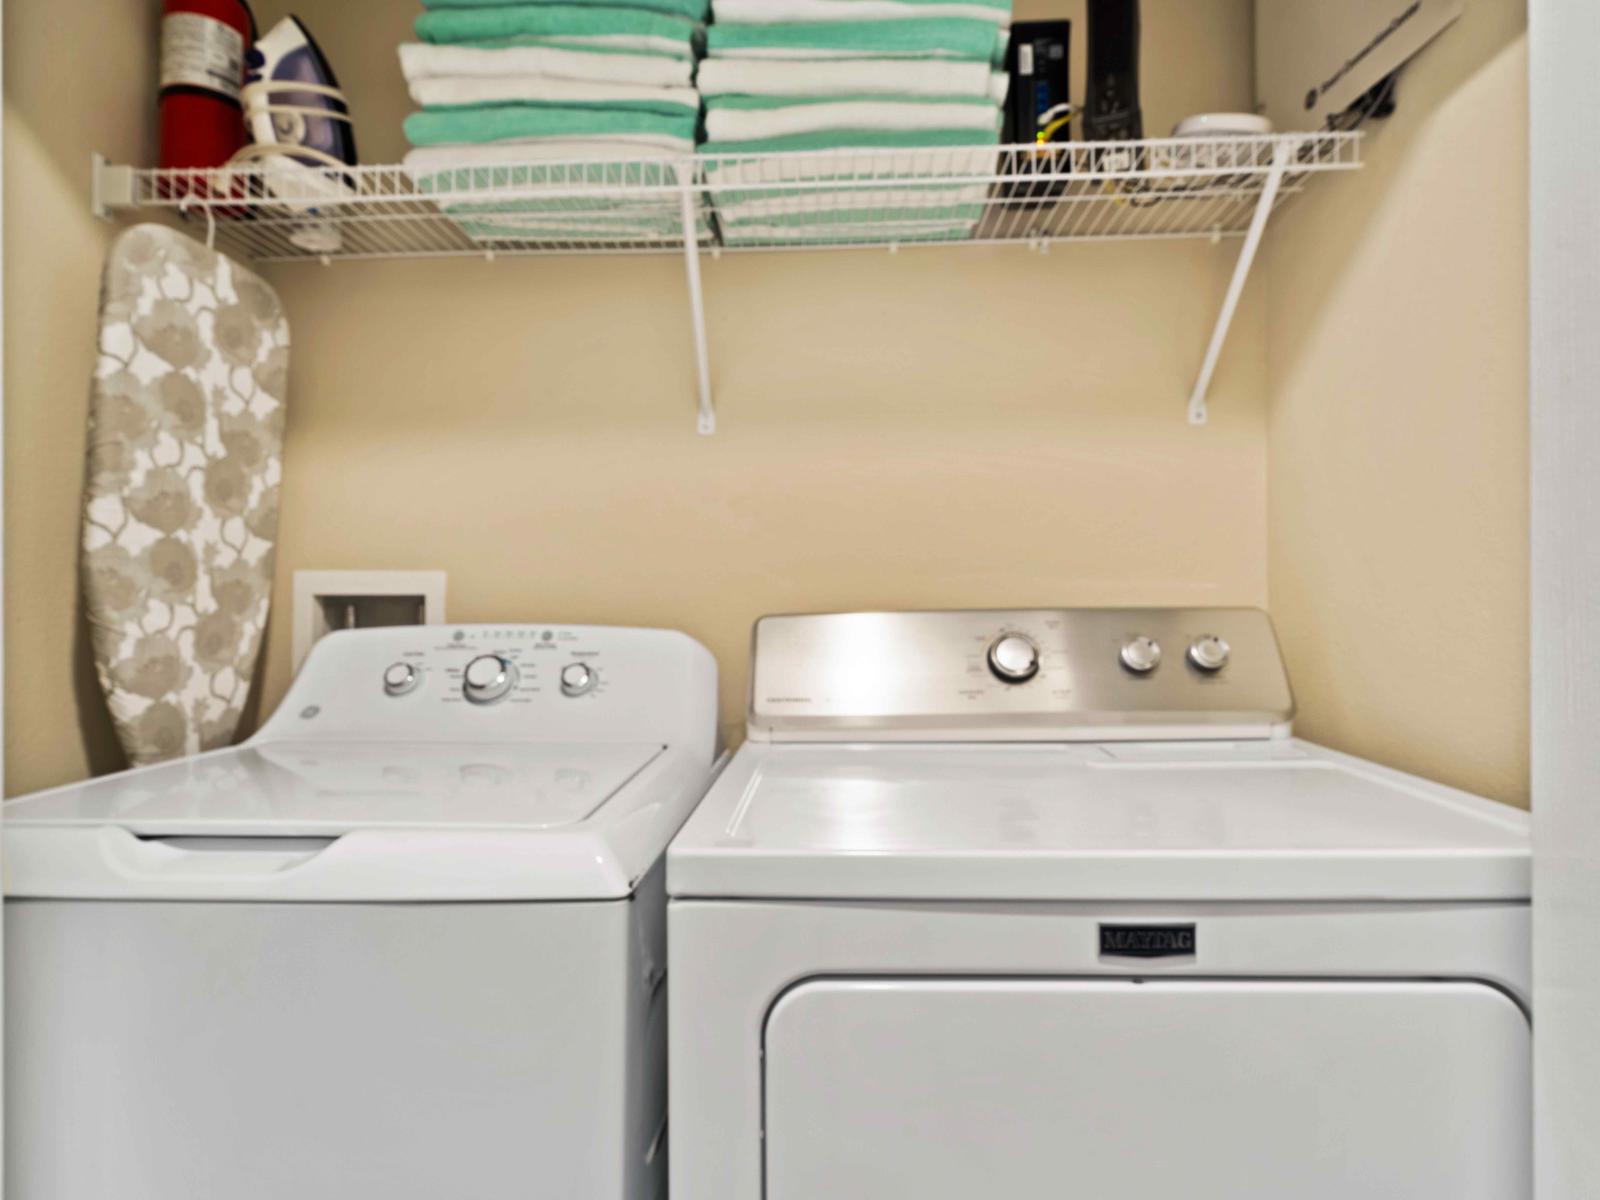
<point x="180" y="510"/>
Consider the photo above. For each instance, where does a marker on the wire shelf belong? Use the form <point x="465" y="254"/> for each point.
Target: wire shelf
<point x="279" y="210"/>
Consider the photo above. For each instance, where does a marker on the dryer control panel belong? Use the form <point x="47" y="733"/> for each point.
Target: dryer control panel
<point x="1019" y="675"/>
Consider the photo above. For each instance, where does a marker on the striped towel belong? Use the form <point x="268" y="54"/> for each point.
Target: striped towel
<point x="424" y="60"/>
<point x="959" y="38"/>
<point x="695" y="10"/>
<point x="563" y="26"/>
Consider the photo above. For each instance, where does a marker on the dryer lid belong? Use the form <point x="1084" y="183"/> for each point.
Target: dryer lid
<point x="1277" y="820"/>
<point x="357" y="821"/>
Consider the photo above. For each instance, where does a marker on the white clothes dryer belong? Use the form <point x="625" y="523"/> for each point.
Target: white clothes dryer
<point x="1050" y="903"/>
<point x="407" y="942"/>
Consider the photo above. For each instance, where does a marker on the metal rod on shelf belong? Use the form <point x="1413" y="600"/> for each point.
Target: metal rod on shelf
<point x="707" y="422"/>
<point x="1283" y="155"/>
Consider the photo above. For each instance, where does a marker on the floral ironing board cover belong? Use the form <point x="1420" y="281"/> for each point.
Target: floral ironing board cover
<point x="180" y="511"/>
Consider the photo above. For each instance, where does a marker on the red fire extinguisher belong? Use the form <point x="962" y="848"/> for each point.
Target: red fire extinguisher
<point x="203" y="44"/>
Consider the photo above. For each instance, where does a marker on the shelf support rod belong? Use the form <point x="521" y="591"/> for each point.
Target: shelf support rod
<point x="1282" y="156"/>
<point x="707" y="420"/>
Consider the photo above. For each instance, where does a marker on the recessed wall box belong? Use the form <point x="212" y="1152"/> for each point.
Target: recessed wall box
<point x="328" y="600"/>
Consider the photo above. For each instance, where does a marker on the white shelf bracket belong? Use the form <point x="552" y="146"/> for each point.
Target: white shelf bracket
<point x="110" y="188"/>
<point x="1283" y="156"/>
<point x="707" y="420"/>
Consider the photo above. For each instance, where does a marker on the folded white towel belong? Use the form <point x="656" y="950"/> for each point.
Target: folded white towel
<point x="878" y="76"/>
<point x="769" y="12"/>
<point x="743" y="124"/>
<point x="539" y="89"/>
<point x="421" y="60"/>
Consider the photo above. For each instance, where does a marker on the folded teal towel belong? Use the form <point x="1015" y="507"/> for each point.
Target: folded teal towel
<point x="552" y="21"/>
<point x="507" y="122"/>
<point x="856" y="139"/>
<point x="918" y="37"/>
<point x="651" y="48"/>
<point x="666" y="106"/>
<point x="695" y="10"/>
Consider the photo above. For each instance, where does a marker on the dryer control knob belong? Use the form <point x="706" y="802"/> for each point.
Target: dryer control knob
<point x="578" y="678"/>
<point x="1141" y="655"/>
<point x="488" y="678"/>
<point x="1014" y="658"/>
<point x="401" y="678"/>
<point x="1209" y="653"/>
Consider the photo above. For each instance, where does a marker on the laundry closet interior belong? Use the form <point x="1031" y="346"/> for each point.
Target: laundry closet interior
<point x="934" y="427"/>
<point x="1023" y="599"/>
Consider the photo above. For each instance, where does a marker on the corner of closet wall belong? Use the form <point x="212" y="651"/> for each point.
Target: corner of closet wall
<point x="945" y="427"/>
<point x="1397" y="354"/>
<point x="59" y="109"/>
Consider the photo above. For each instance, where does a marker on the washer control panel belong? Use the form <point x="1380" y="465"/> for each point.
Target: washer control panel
<point x="1037" y="674"/>
<point x="548" y="683"/>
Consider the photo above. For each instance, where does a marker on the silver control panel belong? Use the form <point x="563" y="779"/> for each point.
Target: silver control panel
<point x="1019" y="675"/>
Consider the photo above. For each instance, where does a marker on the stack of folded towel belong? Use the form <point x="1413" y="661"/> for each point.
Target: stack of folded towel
<point x="895" y="87"/>
<point x="555" y="101"/>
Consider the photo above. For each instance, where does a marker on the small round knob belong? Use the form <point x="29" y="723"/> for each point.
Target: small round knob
<point x="577" y="678"/>
<point x="1014" y="658"/>
<point x="488" y="678"/>
<point x="1209" y="653"/>
<point x="1141" y="655"/>
<point x="401" y="678"/>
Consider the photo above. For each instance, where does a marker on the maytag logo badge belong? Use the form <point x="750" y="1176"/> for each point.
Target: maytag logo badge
<point x="1147" y="941"/>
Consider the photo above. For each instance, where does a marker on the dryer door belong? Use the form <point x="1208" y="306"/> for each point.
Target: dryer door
<point x="1126" y="1090"/>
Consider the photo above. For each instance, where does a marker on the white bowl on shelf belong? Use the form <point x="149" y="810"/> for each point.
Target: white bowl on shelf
<point x="1216" y="129"/>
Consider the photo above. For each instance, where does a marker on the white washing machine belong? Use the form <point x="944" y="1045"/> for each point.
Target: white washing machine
<point x="1049" y="903"/>
<point x="406" y="943"/>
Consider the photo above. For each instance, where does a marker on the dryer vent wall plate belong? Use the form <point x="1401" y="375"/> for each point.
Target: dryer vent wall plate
<point x="328" y="600"/>
<point x="1315" y="59"/>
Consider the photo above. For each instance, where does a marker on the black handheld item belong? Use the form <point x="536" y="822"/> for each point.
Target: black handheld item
<point x="1111" y="110"/>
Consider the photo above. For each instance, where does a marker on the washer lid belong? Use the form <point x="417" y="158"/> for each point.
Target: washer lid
<point x="358" y="821"/>
<point x="1272" y="820"/>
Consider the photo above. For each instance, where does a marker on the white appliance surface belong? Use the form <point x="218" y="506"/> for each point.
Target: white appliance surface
<point x="1266" y="820"/>
<point x="354" y="792"/>
<point x="1208" y="1090"/>
<point x="266" y="972"/>
<point x="292" y="789"/>
<point x="1050" y="903"/>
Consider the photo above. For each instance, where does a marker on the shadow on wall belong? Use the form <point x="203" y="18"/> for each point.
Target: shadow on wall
<point x="100" y="745"/>
<point x="1397" y="365"/>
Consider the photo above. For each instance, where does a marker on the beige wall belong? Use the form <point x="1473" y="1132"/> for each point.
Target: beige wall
<point x="937" y="428"/>
<point x="1397" y="352"/>
<point x="940" y="427"/>
<point x="77" y="77"/>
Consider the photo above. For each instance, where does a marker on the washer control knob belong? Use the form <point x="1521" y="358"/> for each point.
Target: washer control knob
<point x="578" y="678"/>
<point x="1014" y="658"/>
<point x="1209" y="653"/>
<point x="401" y="678"/>
<point x="1141" y="655"/>
<point x="488" y="678"/>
